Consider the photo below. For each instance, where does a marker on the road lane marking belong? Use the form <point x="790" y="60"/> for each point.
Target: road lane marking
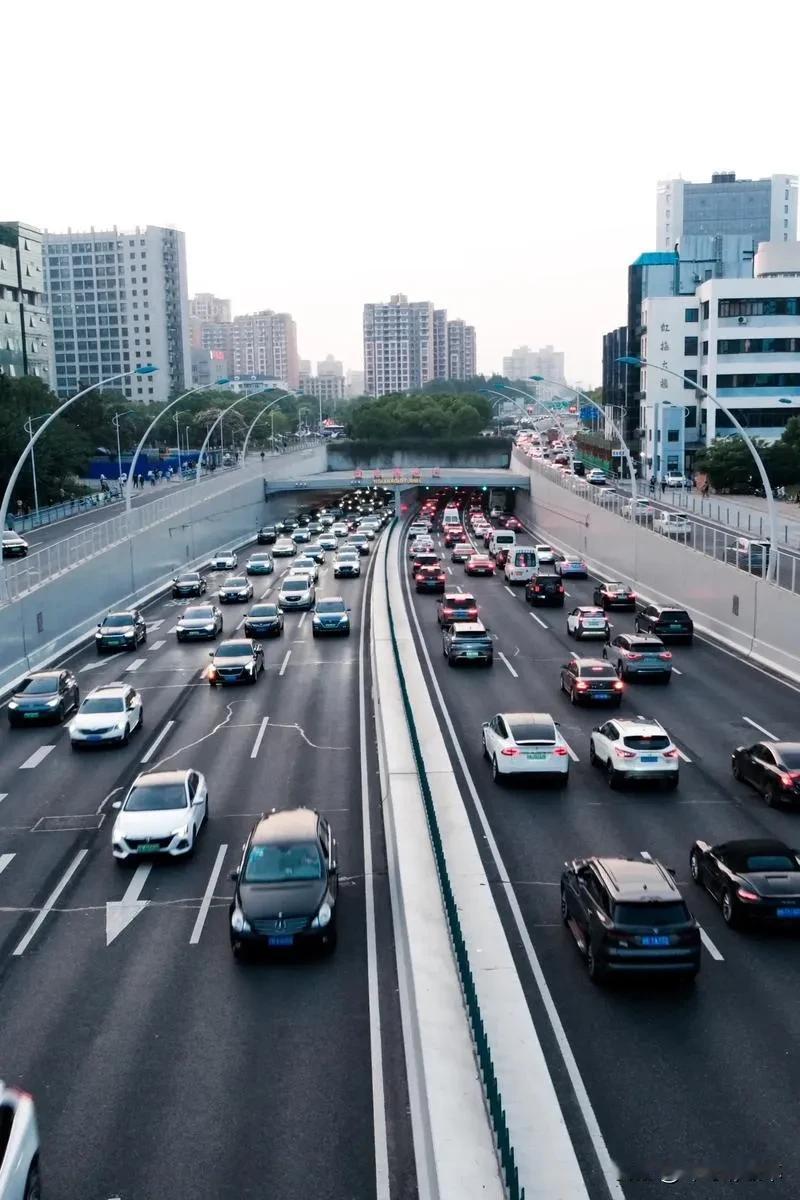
<point x="173" y="629"/>
<point x="208" y="894"/>
<point x="709" y="945"/>
<point x="543" y="624"/>
<point x="137" y="662"/>
<point x="105" y="800"/>
<point x="5" y="860"/>
<point x="3" y="796"/>
<point x="302" y="619"/>
<point x="773" y="737"/>
<point x="39" y="920"/>
<point x="646" y="855"/>
<point x="675" y="671"/>
<point x="569" y="749"/>
<point x="681" y="754"/>
<point x="152" y="625"/>
<point x="510" y="591"/>
<point x="508" y="664"/>
<point x="158" y="645"/>
<point x="241" y="623"/>
<point x="38" y="756"/>
<point x="154" y="745"/>
<point x="120" y="913"/>
<point x="259" y="737"/>
<point x="449" y="570"/>
<point x="93" y="665"/>
<point x="284" y="663"/>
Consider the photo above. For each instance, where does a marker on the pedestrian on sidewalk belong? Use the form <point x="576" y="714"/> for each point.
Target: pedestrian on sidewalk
<point x="704" y="489"/>
<point x="652" y="485"/>
<point x="662" y="485"/>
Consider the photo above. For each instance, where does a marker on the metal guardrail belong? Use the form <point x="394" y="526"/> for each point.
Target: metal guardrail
<point x="494" y="1100"/>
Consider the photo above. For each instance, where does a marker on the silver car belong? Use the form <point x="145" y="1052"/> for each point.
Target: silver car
<point x="19" y="1146"/>
<point x="635" y="655"/>
<point x="297" y="591"/>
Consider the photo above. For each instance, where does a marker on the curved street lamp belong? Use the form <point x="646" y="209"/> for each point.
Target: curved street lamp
<point x="257" y="418"/>
<point x="239" y="400"/>
<point x="546" y="411"/>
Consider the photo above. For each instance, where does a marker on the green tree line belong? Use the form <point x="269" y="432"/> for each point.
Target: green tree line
<point x="435" y="415"/>
<point x="730" y="467"/>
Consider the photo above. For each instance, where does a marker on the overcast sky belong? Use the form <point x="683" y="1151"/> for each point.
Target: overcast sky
<point x="498" y="158"/>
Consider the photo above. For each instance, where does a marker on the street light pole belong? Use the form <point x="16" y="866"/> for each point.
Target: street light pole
<point x="178" y="441"/>
<point x="115" y="420"/>
<point x="225" y="411"/>
<point x="29" y="430"/>
<point x="257" y="418"/>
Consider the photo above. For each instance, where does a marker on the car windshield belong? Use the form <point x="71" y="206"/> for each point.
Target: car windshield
<point x="40" y="687"/>
<point x="236" y="581"/>
<point x="259" y="558"/>
<point x="283" y="864"/>
<point x="464" y="546"/>
<point x="525" y="558"/>
<point x="188" y="579"/>
<point x="118" y="621"/>
<point x="199" y="614"/>
<point x="466" y="634"/>
<point x="156" y="797"/>
<point x="264" y="610"/>
<point x="532" y="731"/>
<point x="646" y="647"/>
<point x="643" y="741"/>
<point x="295" y="585"/>
<point x="653" y="914"/>
<point x="769" y="862"/>
<point x="301" y="563"/>
<point x="103" y="704"/>
<point x="233" y="650"/>
<point x="673" y="615"/>
<point x="330" y="606"/>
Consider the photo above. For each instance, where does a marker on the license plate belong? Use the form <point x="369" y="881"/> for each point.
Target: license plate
<point x="649" y="758"/>
<point x="472" y="654"/>
<point x="601" y="695"/>
<point x="94" y="737"/>
<point x="115" y="641"/>
<point x="676" y="628"/>
<point x="789" y="912"/>
<point x="654" y="941"/>
<point x="283" y="939"/>
<point x="149" y="847"/>
<point x="30" y="716"/>
<point x="537" y="757"/>
<point x="594" y="624"/>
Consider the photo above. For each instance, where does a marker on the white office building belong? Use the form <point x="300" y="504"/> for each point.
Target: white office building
<point x="524" y="362"/>
<point x="118" y="300"/>
<point x="763" y="209"/>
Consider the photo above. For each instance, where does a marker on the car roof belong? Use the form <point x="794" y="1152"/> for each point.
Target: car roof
<point x="161" y="778"/>
<point x="469" y="626"/>
<point x="590" y="608"/>
<point x="642" y="637"/>
<point x="110" y="688"/>
<point x="669" y="608"/>
<point x="637" y="725"/>
<point x="780" y="747"/>
<point x="538" y="717"/>
<point x="285" y="825"/>
<point x="121" y="612"/>
<point x="43" y="675"/>
<point x="614" y="583"/>
<point x="457" y="596"/>
<point x="635" y="879"/>
<point x="590" y="662"/>
<point x="240" y="641"/>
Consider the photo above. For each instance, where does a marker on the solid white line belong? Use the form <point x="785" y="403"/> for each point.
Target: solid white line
<point x="137" y="662"/>
<point x="709" y="945"/>
<point x="675" y="671"/>
<point x="539" y="619"/>
<point x="284" y="663"/>
<point x="157" y="742"/>
<point x="510" y="591"/>
<point x="508" y="664"/>
<point x="773" y="737"/>
<point x="208" y="895"/>
<point x="259" y="738"/>
<point x="158" y="645"/>
<point x="49" y="902"/>
<point x="3" y="796"/>
<point x="5" y="859"/>
<point x="569" y="749"/>
<point x="681" y="754"/>
<point x="38" y="756"/>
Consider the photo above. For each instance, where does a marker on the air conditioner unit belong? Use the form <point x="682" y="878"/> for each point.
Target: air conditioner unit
<point x="743" y="321"/>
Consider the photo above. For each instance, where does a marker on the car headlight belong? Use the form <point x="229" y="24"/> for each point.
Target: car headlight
<point x="182" y="832"/>
<point x="238" y="922"/>
<point x="99" y="633"/>
<point x="13" y="704"/>
<point x="129" y="633"/>
<point x="52" y="703"/>
<point x="209" y="628"/>
<point x="323" y="917"/>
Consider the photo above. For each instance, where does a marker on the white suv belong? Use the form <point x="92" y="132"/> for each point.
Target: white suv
<point x="526" y="743"/>
<point x="19" y="1146"/>
<point x="638" y="749"/>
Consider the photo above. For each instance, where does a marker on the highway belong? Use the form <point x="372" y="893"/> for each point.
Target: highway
<point x="698" y="1079"/>
<point x="160" y="1066"/>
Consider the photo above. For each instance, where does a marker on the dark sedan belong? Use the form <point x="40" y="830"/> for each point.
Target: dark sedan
<point x="120" y="631"/>
<point x="267" y="535"/>
<point x="752" y="880"/>
<point x="264" y="620"/>
<point x="772" y="768"/>
<point x="331" y="616"/>
<point x="240" y="661"/>
<point x="614" y="595"/>
<point x="44" y="696"/>
<point x="190" y="583"/>
<point x="429" y="579"/>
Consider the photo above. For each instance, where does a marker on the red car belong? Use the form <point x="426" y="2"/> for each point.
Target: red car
<point x="513" y="523"/>
<point x="501" y="558"/>
<point x="429" y="579"/>
<point x="479" y="564"/>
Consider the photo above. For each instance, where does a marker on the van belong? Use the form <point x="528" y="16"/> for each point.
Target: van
<point x="502" y="539"/>
<point x="451" y="516"/>
<point x="520" y="564"/>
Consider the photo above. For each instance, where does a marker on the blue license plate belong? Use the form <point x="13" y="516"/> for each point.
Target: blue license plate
<point x="789" y="912"/>
<point x="654" y="941"/>
<point x="94" y="737"/>
<point x="649" y="758"/>
<point x="601" y="695"/>
<point x="284" y="939"/>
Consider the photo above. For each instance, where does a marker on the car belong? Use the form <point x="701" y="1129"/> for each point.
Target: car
<point x="188" y="583"/>
<point x="315" y="528"/>
<point x="109" y="714"/>
<point x="635" y="749"/>
<point x="456" y="606"/>
<point x="302" y="520"/>
<point x="462" y="551"/>
<point x="44" y="696"/>
<point x="286" y="884"/>
<point x="297" y="591"/>
<point x="123" y="630"/>
<point x="20" y="1177"/>
<point x="340" y="529"/>
<point x="614" y="595"/>
<point x="284" y="548"/>
<point x="669" y="624"/>
<point x="238" y="660"/>
<point x="637" y="656"/>
<point x="267" y="535"/>
<point x="749" y="555"/>
<point x="287" y="525"/>
<point x="545" y="588"/>
<point x="304" y="562"/>
<point x="513" y="523"/>
<point x="331" y="615"/>
<point x="316" y="551"/>
<point x="597" y="477"/>
<point x="263" y="620"/>
<point x="772" y="768"/>
<point x="453" y="535"/>
<point x="525" y="744"/>
<point x="260" y="564"/>
<point x="347" y="566"/>
<point x="14" y="546"/>
<point x="675" y="479"/>
<point x="627" y="916"/>
<point x="425" y="558"/>
<point x="571" y="565"/>
<point x="198" y="622"/>
<point x="590" y="680"/>
<point x="161" y="815"/>
<point x="237" y="589"/>
<point x="545" y="555"/>
<point x="467" y="641"/>
<point x="301" y="535"/>
<point x="640" y="509"/>
<point x="479" y="564"/>
<point x="429" y="578"/>
<point x="369" y="531"/>
<point x="420" y="545"/>
<point x="328" y="542"/>
<point x="754" y="880"/>
<point x="226" y="561"/>
<point x="673" y="525"/>
<point x="360" y="541"/>
<point x="326" y="520"/>
<point x="588" y="621"/>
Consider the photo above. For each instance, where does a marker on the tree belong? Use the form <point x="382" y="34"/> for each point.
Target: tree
<point x="730" y="467"/>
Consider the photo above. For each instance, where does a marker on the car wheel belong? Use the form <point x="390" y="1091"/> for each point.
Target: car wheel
<point x="496" y="774"/>
<point x="451" y="662"/>
<point x="564" y="909"/>
<point x="596" y="971"/>
<point x="612" y="776"/>
<point x="126" y="737"/>
<point x="737" y="770"/>
<point x="730" y="914"/>
<point x="772" y="795"/>
<point x="694" y="868"/>
<point x="240" y="952"/>
<point x="33" y="1184"/>
<point x="483" y="746"/>
<point x="61" y="712"/>
<point x="75" y="746"/>
<point x="592" y="754"/>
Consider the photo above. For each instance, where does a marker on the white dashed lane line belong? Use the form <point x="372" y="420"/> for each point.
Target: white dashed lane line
<point x="158" y="645"/>
<point x="502" y="656"/>
<point x="509" y="590"/>
<point x="5" y="860"/>
<point x="709" y="945"/>
<point x="681" y="754"/>
<point x="285" y="663"/>
<point x="38" y="756"/>
<point x="534" y="617"/>
<point x="772" y="736"/>
<point x="155" y="744"/>
<point x="259" y="737"/>
<point x="675" y="671"/>
<point x="137" y="662"/>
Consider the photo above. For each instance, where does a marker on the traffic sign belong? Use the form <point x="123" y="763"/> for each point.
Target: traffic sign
<point x="616" y="454"/>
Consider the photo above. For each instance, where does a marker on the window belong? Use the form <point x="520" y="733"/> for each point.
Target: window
<point x="758" y="346"/>
<point x="757" y="418"/>
<point x="690" y="375"/>
<point x="673" y="435"/>
<point x="705" y="310"/>
<point x="780" y="379"/>
<point x="780" y="306"/>
<point x="690" y="347"/>
<point x="691" y="315"/>
<point x="705" y="348"/>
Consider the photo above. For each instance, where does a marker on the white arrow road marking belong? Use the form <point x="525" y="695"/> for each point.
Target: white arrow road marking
<point x="49" y="902"/>
<point x="208" y="895"/>
<point x="681" y="754"/>
<point x="37" y="757"/>
<point x="3" y="796"/>
<point x="154" y="624"/>
<point x="92" y="666"/>
<point x="259" y="738"/>
<point x="154" y="746"/>
<point x="120" y="913"/>
<point x="5" y="859"/>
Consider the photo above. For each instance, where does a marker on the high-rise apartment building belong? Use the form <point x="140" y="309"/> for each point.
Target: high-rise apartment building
<point x="461" y="350"/>
<point x="763" y="209"/>
<point x="440" y="343"/>
<point x="265" y="343"/>
<point x="355" y="384"/>
<point x="25" y="344"/>
<point x="207" y="307"/>
<point x="328" y="385"/>
<point x="398" y="345"/>
<point x="118" y="300"/>
<point x="524" y="362"/>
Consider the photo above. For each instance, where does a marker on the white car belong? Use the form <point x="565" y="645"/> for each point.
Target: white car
<point x="340" y="529"/>
<point x="673" y="525"/>
<point x="525" y="744"/>
<point x="420" y="545"/>
<point x="14" y="546"/>
<point x="674" y="479"/>
<point x="597" y="477"/>
<point x="109" y="714"/>
<point x="640" y="508"/>
<point x="635" y="749"/>
<point x="284" y="548"/>
<point x="587" y="621"/>
<point x="297" y="591"/>
<point x="304" y="563"/>
<point x="162" y="814"/>
<point x="328" y="542"/>
<point x="544" y="554"/>
<point x="347" y="565"/>
<point x="225" y="562"/>
<point x="19" y="1146"/>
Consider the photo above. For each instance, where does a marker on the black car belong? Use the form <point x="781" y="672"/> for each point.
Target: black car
<point x="669" y="624"/>
<point x="316" y="552"/>
<point x="267" y="535"/>
<point x="190" y="583"/>
<point x="754" y="879"/>
<point x="287" y="884"/>
<point x="199" y="622"/>
<point x="429" y="579"/>
<point x="236" y="589"/>
<point x="287" y="525"/>
<point x="44" y="696"/>
<point x="545" y="588"/>
<point x="627" y="916"/>
<point x="264" y="620"/>
<point x="239" y="661"/>
<point x="330" y="616"/>
<point x="591" y="680"/>
<point x="614" y="595"/>
<point x="467" y="641"/>
<point x="120" y="631"/>
<point x="773" y="768"/>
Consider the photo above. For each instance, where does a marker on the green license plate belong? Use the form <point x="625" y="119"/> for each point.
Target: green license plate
<point x="472" y="654"/>
<point x="149" y="847"/>
<point x="30" y="716"/>
<point x="536" y="756"/>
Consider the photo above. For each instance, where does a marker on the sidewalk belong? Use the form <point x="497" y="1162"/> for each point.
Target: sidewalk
<point x="746" y="514"/>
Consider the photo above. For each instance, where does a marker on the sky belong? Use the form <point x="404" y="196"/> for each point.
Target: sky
<point x="499" y="159"/>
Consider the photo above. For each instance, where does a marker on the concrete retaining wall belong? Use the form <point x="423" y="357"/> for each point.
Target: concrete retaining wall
<point x="347" y="457"/>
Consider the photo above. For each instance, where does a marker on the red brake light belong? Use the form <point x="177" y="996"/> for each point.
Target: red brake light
<point x="631" y="595"/>
<point x="509" y="751"/>
<point x="745" y="894"/>
<point x="417" y="578"/>
<point x="624" y="753"/>
<point x="617" y="685"/>
<point x="447" y="612"/>
<point x="632" y="654"/>
<point x="787" y="780"/>
<point x="673" y="753"/>
<point x="666" y="655"/>
<point x="580" y="686"/>
<point x="441" y="578"/>
<point x="561" y="751"/>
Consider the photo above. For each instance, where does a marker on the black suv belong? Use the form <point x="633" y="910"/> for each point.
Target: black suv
<point x="614" y="595"/>
<point x="545" y="588"/>
<point x="120" y="631"/>
<point x="267" y="534"/>
<point x="591" y="680"/>
<point x="627" y="915"/>
<point x="669" y="624"/>
<point x="287" y="884"/>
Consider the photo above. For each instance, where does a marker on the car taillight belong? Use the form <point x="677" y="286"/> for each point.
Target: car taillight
<point x="560" y="588"/>
<point x="581" y="686"/>
<point x="673" y="753"/>
<point x="617" y="685"/>
<point x="620" y="753"/>
<point x="561" y="751"/>
<point x="787" y="781"/>
<point x="633" y="655"/>
<point x="472" y="612"/>
<point x="537" y="588"/>
<point x="631" y="595"/>
<point x="666" y="655"/>
<point x="418" y="578"/>
<point x="745" y="894"/>
<point x="441" y="577"/>
<point x="509" y="751"/>
<point x="447" y="612"/>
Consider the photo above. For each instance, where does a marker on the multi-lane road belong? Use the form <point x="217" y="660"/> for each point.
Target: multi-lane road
<point x="699" y="1079"/>
<point x="159" y="1065"/>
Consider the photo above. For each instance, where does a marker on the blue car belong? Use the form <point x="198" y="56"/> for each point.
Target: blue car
<point x="331" y="616"/>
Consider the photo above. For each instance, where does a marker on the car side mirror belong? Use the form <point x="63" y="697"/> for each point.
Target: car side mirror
<point x="595" y="729"/>
<point x="117" y="804"/>
<point x="233" y="875"/>
<point x="211" y="654"/>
